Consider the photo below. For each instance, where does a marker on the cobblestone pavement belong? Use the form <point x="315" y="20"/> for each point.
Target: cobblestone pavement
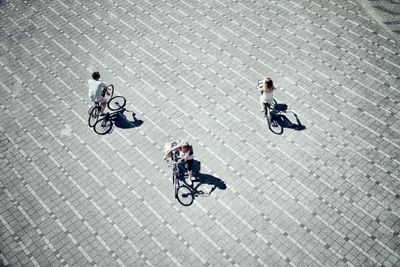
<point x="324" y="196"/>
<point x="386" y="12"/>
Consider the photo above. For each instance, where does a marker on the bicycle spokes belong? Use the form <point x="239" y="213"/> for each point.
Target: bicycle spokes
<point x="185" y="195"/>
<point x="103" y="126"/>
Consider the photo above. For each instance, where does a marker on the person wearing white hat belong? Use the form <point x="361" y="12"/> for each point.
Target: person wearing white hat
<point x="186" y="153"/>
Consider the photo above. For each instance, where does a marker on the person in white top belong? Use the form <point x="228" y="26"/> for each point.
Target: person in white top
<point x="267" y="96"/>
<point x="186" y="153"/>
<point x="97" y="90"/>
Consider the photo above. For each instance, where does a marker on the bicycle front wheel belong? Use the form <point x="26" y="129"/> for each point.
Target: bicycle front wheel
<point x="103" y="126"/>
<point x="117" y="102"/>
<point x="185" y="195"/>
<point x="111" y="90"/>
<point x="94" y="113"/>
<point x="273" y="123"/>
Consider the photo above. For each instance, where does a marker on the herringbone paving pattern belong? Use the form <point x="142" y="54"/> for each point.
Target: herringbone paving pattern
<point x="324" y="196"/>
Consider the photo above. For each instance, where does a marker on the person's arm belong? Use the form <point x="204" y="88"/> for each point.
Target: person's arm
<point x="261" y="88"/>
<point x="171" y="149"/>
<point x="189" y="154"/>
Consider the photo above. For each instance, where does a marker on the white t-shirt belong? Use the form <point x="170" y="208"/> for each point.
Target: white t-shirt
<point x="267" y="97"/>
<point x="95" y="88"/>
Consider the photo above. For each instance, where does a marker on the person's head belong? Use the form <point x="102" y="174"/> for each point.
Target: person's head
<point x="96" y="75"/>
<point x="185" y="145"/>
<point x="269" y="83"/>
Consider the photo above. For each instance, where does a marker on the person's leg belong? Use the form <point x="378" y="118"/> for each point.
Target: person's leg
<point x="181" y="167"/>
<point x="190" y="170"/>
<point x="267" y="108"/>
<point x="103" y="103"/>
<point x="262" y="102"/>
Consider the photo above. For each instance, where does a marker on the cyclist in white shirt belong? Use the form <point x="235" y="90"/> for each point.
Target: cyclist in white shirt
<point x="267" y="96"/>
<point x="97" y="90"/>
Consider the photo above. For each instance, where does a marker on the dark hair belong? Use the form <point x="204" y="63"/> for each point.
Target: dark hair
<point x="269" y="83"/>
<point x="96" y="75"/>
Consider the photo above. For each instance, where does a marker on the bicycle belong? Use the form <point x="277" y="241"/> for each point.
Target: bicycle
<point x="95" y="110"/>
<point x="105" y="124"/>
<point x="183" y="193"/>
<point x="270" y="113"/>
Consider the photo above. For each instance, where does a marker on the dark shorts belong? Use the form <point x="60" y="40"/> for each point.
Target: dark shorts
<point x="189" y="164"/>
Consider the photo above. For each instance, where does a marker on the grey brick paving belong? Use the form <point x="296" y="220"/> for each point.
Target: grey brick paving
<point x="325" y="196"/>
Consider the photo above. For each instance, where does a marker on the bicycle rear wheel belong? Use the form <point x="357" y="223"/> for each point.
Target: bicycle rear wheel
<point x="185" y="195"/>
<point x="103" y="126"/>
<point x="94" y="113"/>
<point x="117" y="102"/>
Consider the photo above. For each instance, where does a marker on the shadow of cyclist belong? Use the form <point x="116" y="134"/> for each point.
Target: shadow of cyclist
<point x="121" y="121"/>
<point x="205" y="181"/>
<point x="279" y="115"/>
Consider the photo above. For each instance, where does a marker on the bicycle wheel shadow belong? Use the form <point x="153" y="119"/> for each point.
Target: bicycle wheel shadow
<point x="205" y="184"/>
<point x="122" y="122"/>
<point x="279" y="115"/>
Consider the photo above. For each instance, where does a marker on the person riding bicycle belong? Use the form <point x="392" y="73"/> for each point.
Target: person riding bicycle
<point x="267" y="96"/>
<point x="186" y="153"/>
<point x="97" y="91"/>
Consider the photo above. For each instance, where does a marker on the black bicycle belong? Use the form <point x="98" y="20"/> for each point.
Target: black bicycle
<point x="270" y="113"/>
<point x="183" y="193"/>
<point x="105" y="124"/>
<point x="94" y="111"/>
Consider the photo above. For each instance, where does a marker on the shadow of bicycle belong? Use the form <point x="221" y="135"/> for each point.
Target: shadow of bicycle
<point x="279" y="115"/>
<point x="205" y="184"/>
<point x="122" y="122"/>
